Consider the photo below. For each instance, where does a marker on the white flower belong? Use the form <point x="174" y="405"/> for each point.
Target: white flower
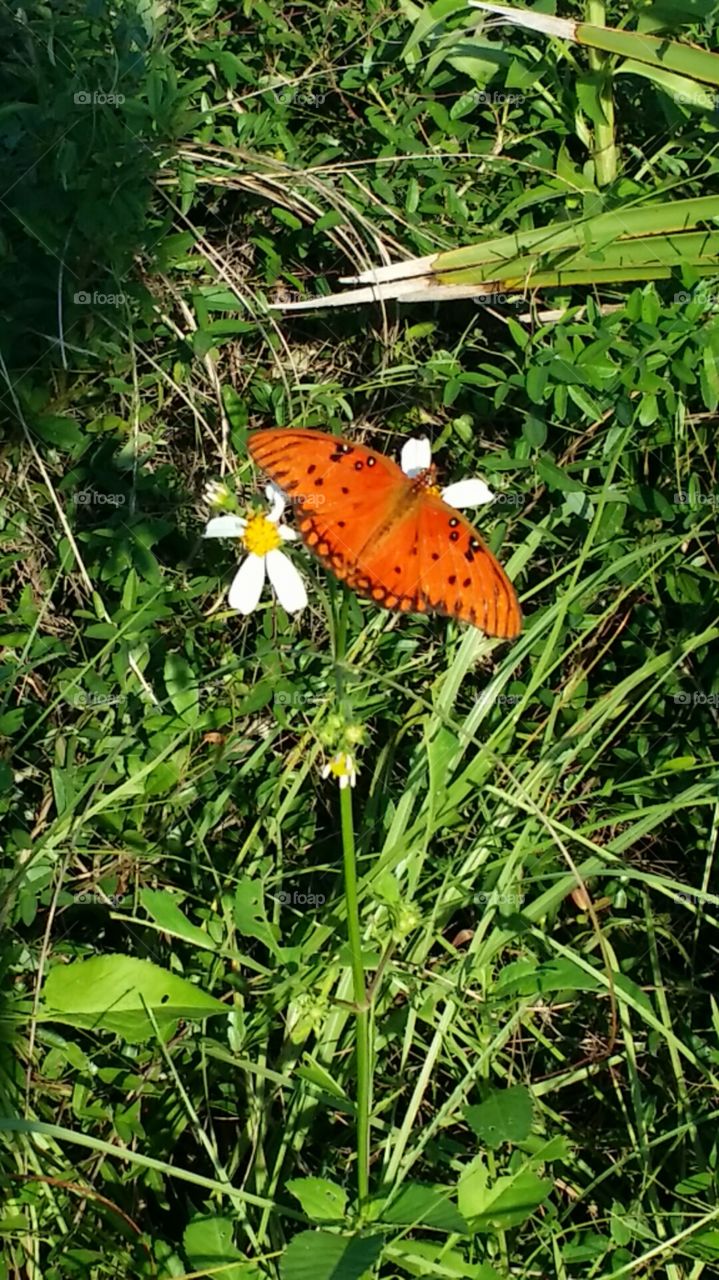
<point x="342" y="767"/>
<point x="262" y="537"/>
<point x="416" y="457"/>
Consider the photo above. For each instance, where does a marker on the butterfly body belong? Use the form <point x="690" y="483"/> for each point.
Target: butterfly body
<point x="389" y="536"/>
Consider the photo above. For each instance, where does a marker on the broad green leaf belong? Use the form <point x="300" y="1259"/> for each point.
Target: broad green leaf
<point x="503" y="1203"/>
<point x="208" y="1243"/>
<point x="182" y="686"/>
<point x="250" y="916"/>
<point x="505" y="1116"/>
<point x="63" y="433"/>
<point x="527" y="978"/>
<point x="317" y="1255"/>
<point x="163" y="909"/>
<point x="111" y="992"/>
<point x="555" y="478"/>
<point x="424" y="1205"/>
<point x="321" y="1200"/>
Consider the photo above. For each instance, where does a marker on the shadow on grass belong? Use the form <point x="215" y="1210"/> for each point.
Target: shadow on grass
<point x="87" y="102"/>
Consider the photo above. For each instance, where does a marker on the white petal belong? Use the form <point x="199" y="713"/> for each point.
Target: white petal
<point x="286" y="581"/>
<point x="277" y="500"/>
<point x="344" y="781"/>
<point x="416" y="456"/>
<point x="225" y="527"/>
<point x="287" y="534"/>
<point x="467" y="493"/>
<point x="325" y="771"/>
<point x="247" y="584"/>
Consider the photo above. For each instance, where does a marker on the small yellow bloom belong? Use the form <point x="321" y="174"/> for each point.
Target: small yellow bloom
<point x="261" y="536"/>
<point x="342" y="767"/>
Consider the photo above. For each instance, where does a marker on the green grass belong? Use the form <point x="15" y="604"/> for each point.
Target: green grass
<point x="190" y="1080"/>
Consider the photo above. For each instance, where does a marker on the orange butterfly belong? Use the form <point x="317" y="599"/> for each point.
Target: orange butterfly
<point x="388" y="535"/>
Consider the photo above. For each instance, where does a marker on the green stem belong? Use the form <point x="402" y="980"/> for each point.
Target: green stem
<point x="341" y="613"/>
<point x="605" y="151"/>
<point x="360" y="996"/>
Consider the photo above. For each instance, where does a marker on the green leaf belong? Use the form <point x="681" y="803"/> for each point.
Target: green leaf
<point x="505" y="1116"/>
<point x="63" y="433"/>
<point x="534" y="432"/>
<point x="111" y="992"/>
<point x="321" y="1200"/>
<point x="317" y="1255"/>
<point x="422" y="1258"/>
<point x="555" y="478"/>
<point x="250" y="916"/>
<point x="182" y="687"/>
<point x="425" y="1205"/>
<point x="289" y="219"/>
<point x="506" y="1202"/>
<point x="527" y="978"/>
<point x="697" y="1184"/>
<point x="208" y="1243"/>
<point x="163" y="909"/>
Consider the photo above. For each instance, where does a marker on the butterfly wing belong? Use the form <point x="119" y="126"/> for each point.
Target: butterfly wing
<point x="345" y="495"/>
<point x="436" y="562"/>
<point x="387" y="537"/>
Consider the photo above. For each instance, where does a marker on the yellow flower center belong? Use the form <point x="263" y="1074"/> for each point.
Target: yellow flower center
<point x="341" y="766"/>
<point x="261" y="535"/>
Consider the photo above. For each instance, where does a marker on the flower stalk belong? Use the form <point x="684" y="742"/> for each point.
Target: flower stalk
<point x="362" y="1010"/>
